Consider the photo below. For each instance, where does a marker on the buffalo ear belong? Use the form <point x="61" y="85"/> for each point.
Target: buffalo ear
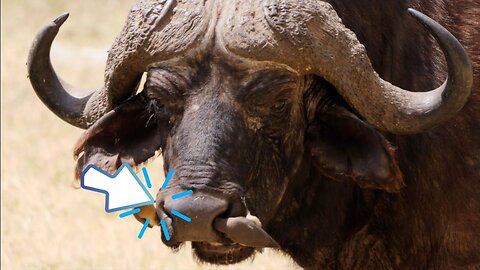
<point x="130" y="133"/>
<point x="345" y="148"/>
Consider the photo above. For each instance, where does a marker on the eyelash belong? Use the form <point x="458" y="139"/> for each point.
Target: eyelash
<point x="280" y="106"/>
<point x="156" y="108"/>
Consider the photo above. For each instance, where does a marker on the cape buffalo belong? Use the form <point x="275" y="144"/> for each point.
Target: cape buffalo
<point x="307" y="126"/>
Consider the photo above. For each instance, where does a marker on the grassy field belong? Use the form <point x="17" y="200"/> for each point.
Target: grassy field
<point x="46" y="222"/>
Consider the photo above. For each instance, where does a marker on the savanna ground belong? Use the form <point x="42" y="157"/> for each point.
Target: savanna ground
<point x="46" y="222"/>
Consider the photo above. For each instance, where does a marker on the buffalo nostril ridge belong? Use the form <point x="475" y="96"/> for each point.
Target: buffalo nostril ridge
<point x="202" y="209"/>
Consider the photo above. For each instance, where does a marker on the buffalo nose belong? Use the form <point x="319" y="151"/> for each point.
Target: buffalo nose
<point x="202" y="209"/>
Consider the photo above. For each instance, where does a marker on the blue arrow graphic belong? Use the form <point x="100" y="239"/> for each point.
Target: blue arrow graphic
<point x="123" y="189"/>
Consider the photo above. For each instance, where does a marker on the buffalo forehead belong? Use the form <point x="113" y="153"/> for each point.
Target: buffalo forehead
<point x="166" y="30"/>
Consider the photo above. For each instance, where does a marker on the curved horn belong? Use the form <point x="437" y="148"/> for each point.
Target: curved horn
<point x="311" y="38"/>
<point x="394" y="109"/>
<point x="50" y="88"/>
<point x="400" y="111"/>
<point x="127" y="60"/>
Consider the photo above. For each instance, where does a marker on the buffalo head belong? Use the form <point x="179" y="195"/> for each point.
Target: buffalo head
<point x="242" y="100"/>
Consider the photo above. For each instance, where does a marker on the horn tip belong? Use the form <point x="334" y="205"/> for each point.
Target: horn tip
<point x="61" y="18"/>
<point x="414" y="12"/>
<point x="419" y="15"/>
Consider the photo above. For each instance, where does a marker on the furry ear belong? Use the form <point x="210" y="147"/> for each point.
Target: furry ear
<point x="130" y="133"/>
<point x="345" y="148"/>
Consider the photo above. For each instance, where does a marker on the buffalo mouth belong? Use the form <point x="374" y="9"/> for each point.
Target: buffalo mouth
<point x="220" y="253"/>
<point x="221" y="250"/>
<point x="222" y="240"/>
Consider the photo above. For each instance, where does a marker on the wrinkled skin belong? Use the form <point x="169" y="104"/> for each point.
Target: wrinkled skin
<point x="334" y="192"/>
<point x="280" y="120"/>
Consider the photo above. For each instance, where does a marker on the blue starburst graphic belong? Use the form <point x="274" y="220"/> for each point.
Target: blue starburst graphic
<point x="163" y="224"/>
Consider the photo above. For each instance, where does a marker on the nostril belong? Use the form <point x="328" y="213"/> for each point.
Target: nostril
<point x="235" y="209"/>
<point x="198" y="206"/>
<point x="201" y="210"/>
<point x="166" y="224"/>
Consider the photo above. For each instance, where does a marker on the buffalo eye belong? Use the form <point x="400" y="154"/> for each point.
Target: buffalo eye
<point x="156" y="108"/>
<point x="164" y="104"/>
<point x="280" y="106"/>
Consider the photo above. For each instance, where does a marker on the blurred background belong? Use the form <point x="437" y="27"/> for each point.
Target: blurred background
<point x="46" y="222"/>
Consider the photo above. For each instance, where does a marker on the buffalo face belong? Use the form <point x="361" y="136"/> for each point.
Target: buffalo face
<point x="229" y="133"/>
<point x="243" y="102"/>
<point x="237" y="137"/>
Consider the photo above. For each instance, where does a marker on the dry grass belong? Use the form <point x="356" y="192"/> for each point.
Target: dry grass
<point x="47" y="224"/>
